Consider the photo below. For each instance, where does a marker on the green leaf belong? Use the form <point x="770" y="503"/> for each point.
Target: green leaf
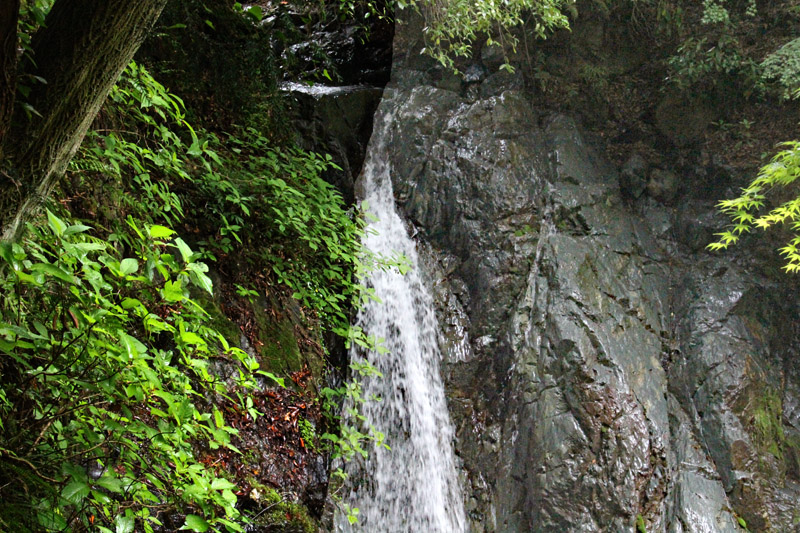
<point x="76" y="228"/>
<point x="51" y="520"/>
<point x="204" y="282"/>
<point x="109" y="483"/>
<point x="199" y="278"/>
<point x="231" y="526"/>
<point x="124" y="524"/>
<point x="160" y="232"/>
<point x="130" y="303"/>
<point x="133" y="348"/>
<point x="195" y="150"/>
<point x="256" y="13"/>
<point x="55" y="223"/>
<point x="173" y="291"/>
<point x="222" y="484"/>
<point x="89" y="246"/>
<point x="191" y="338"/>
<point x="195" y="523"/>
<point x="154" y="324"/>
<point x="75" y="492"/>
<point x="53" y="271"/>
<point x="186" y="252"/>
<point x="273" y="377"/>
<point x="101" y="498"/>
<point x="6" y="252"/>
<point x="7" y="347"/>
<point x="128" y="266"/>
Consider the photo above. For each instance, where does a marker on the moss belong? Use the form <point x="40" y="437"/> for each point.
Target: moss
<point x="641" y="527"/>
<point x="278" y="514"/>
<point x="792" y="454"/>
<point x="278" y="335"/>
<point x="219" y="320"/>
<point x="767" y="423"/>
<point x="286" y="339"/>
<point x="278" y="348"/>
<point x="308" y="432"/>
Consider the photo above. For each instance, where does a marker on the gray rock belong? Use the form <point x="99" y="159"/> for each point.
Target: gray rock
<point x="337" y="121"/>
<point x="663" y="186"/>
<point x="500" y="82"/>
<point x="699" y="503"/>
<point x="475" y="73"/>
<point x="697" y="221"/>
<point x="493" y="55"/>
<point x="633" y="176"/>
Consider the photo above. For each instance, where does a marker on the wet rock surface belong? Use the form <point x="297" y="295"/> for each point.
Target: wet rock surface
<point x="604" y="372"/>
<point x="335" y="120"/>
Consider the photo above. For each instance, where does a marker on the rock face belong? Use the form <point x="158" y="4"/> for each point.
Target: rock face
<point x="336" y="121"/>
<point x="604" y="373"/>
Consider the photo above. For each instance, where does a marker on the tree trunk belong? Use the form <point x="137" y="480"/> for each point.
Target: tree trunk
<point x="81" y="53"/>
<point x="9" y="12"/>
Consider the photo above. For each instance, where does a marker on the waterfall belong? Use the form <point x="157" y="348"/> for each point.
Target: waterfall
<point x="414" y="486"/>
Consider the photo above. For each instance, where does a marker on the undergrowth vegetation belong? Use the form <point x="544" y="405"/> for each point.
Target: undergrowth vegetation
<point x="111" y="366"/>
<point x="106" y="374"/>
<point x="453" y="27"/>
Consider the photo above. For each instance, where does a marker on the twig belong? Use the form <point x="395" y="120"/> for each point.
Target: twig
<point x="8" y="454"/>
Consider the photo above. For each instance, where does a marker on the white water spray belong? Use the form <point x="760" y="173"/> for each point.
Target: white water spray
<point x="414" y="486"/>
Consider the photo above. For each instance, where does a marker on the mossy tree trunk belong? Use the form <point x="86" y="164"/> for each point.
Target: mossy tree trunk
<point x="9" y="13"/>
<point x="81" y="51"/>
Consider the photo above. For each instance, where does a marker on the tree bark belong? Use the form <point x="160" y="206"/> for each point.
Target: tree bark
<point x="81" y="52"/>
<point x="9" y="13"/>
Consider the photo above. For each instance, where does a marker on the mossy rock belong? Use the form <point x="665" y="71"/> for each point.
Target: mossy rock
<point x="792" y="454"/>
<point x="767" y="422"/>
<point x="277" y="336"/>
<point x="279" y="515"/>
<point x="219" y="320"/>
<point x="286" y="342"/>
<point x="278" y="347"/>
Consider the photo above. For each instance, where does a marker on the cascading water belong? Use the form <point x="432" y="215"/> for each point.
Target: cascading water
<point x="414" y="486"/>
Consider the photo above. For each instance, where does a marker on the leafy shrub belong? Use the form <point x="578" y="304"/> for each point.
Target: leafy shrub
<point x="108" y="375"/>
<point x="783" y="65"/>
<point x="706" y="65"/>
<point x="712" y="57"/>
<point x="268" y="206"/>
<point x="140" y="148"/>
<point x="452" y="27"/>
<point x="105" y="375"/>
<point x="714" y="12"/>
<point x="260" y="194"/>
<point x="220" y="59"/>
